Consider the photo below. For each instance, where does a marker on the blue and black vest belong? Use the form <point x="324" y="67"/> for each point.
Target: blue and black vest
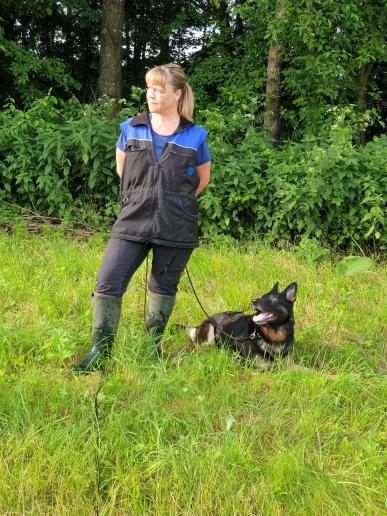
<point x="158" y="203"/>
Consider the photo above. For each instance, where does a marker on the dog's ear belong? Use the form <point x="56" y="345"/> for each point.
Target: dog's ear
<point x="291" y="292"/>
<point x="274" y="290"/>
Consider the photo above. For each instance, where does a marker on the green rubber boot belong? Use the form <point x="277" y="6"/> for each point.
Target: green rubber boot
<point x="157" y="314"/>
<point x="106" y="316"/>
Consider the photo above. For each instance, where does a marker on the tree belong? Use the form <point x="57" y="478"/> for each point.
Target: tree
<point x="110" y="67"/>
<point x="244" y="60"/>
<point x="273" y="83"/>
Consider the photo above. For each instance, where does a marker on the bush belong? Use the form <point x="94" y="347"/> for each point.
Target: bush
<point x="57" y="155"/>
<point x="333" y="192"/>
<point x="57" y="152"/>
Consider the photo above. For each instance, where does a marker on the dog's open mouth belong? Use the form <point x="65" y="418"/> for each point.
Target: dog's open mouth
<point x="264" y="317"/>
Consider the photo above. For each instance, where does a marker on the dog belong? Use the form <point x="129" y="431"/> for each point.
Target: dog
<point x="266" y="336"/>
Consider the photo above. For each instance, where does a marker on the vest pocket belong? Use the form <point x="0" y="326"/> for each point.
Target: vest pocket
<point x="183" y="160"/>
<point x="134" y="217"/>
<point x="188" y="207"/>
<point x="135" y="145"/>
<point x="176" y="219"/>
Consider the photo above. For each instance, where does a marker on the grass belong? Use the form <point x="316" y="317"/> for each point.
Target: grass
<point x="195" y="432"/>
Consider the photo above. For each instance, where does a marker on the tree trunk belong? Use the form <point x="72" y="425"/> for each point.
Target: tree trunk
<point x="165" y="33"/>
<point x="110" y="65"/>
<point x="273" y="85"/>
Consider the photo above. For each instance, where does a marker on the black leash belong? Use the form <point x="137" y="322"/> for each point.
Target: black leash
<point x="195" y="294"/>
<point x="97" y="500"/>
<point x="145" y="289"/>
<point x="252" y="336"/>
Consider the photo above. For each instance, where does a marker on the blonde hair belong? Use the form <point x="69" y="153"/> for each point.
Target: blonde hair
<point x="174" y="75"/>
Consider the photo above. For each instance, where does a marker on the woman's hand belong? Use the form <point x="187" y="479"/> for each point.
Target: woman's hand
<point x="204" y="176"/>
<point x="120" y="161"/>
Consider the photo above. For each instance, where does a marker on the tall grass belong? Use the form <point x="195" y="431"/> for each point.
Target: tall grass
<point x="195" y="432"/>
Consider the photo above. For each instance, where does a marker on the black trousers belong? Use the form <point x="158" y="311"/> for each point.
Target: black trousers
<point x="123" y="257"/>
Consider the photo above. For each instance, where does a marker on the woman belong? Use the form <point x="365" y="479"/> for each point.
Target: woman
<point x="164" y="163"/>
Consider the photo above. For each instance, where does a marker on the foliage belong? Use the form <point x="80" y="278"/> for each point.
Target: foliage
<point x="32" y="75"/>
<point x="333" y="55"/>
<point x="311" y="251"/>
<point x="328" y="47"/>
<point x="331" y="191"/>
<point x="47" y="45"/>
<point x="328" y="43"/>
<point x="57" y="152"/>
<point x="353" y="265"/>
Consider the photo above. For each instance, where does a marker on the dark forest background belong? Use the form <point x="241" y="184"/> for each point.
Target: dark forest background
<point x="292" y="92"/>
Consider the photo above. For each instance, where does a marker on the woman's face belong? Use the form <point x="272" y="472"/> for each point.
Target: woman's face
<point x="162" y="100"/>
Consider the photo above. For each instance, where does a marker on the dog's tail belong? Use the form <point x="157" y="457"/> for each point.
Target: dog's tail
<point x="203" y="333"/>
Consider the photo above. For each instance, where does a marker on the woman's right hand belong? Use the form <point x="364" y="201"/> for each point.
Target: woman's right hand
<point x="120" y="161"/>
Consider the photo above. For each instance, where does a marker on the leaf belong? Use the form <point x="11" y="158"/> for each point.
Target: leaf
<point x="354" y="264"/>
<point x="229" y="422"/>
<point x="92" y="180"/>
<point x="96" y="163"/>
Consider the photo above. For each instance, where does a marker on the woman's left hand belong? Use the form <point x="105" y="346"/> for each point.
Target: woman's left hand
<point x="204" y="172"/>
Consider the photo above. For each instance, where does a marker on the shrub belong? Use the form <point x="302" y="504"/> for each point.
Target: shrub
<point x="334" y="193"/>
<point x="57" y="155"/>
<point x="57" y="152"/>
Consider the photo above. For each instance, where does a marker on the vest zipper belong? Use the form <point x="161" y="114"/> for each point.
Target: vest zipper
<point x="154" y="193"/>
<point x="156" y="171"/>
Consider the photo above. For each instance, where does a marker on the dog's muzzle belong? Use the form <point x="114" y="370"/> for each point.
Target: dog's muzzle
<point x="264" y="318"/>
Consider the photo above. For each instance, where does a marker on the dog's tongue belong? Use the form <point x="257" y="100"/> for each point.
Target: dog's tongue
<point x="262" y="317"/>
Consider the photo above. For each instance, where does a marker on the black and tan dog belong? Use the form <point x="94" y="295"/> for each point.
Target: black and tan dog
<point x="264" y="336"/>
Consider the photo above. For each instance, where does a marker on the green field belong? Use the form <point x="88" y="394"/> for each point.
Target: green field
<point x="195" y="432"/>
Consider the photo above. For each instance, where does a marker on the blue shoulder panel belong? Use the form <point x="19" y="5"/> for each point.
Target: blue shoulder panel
<point x="124" y="126"/>
<point x="140" y="132"/>
<point x="192" y="137"/>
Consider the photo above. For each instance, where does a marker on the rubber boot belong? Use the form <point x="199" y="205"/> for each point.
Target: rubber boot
<point x="106" y="316"/>
<point x="157" y="314"/>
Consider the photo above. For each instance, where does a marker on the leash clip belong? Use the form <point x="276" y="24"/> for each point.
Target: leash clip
<point x="253" y="335"/>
